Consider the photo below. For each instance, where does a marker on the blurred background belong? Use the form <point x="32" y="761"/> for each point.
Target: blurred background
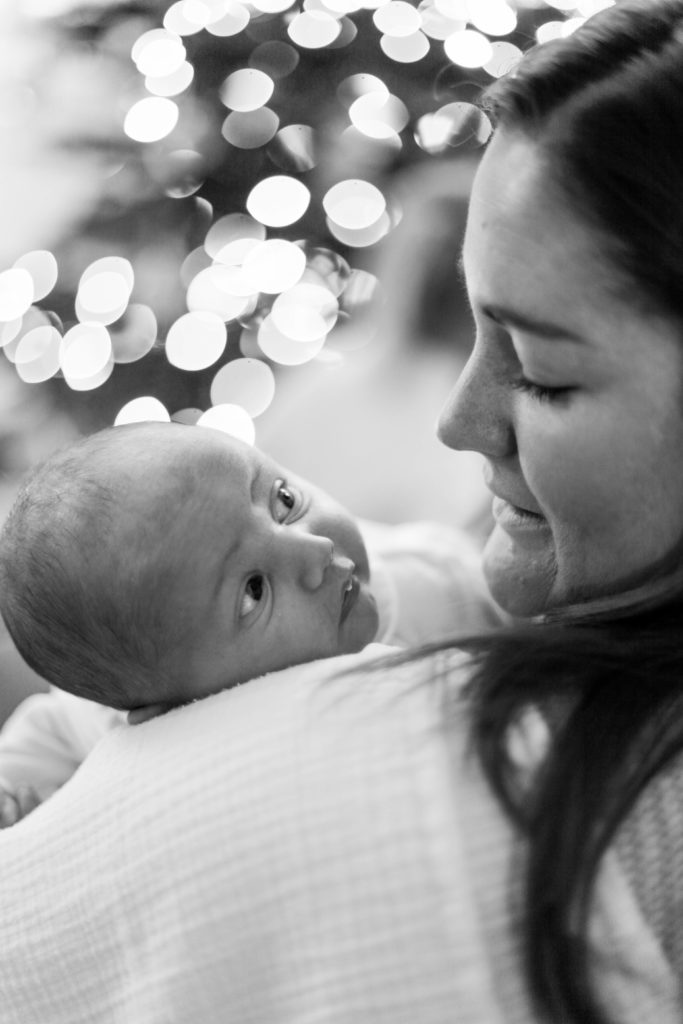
<point x="248" y="215"/>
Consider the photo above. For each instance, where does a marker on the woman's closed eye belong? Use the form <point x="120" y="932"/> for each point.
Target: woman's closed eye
<point x="542" y="392"/>
<point x="254" y="592"/>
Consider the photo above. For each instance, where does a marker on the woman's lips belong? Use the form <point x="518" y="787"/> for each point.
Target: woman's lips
<point x="512" y="517"/>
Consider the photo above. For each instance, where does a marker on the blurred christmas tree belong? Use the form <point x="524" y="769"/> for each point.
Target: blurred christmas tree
<point x="213" y="177"/>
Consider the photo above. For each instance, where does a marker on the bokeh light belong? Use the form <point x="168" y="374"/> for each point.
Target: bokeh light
<point x="101" y="293"/>
<point x="234" y="19"/>
<point x="247" y="89"/>
<point x="9" y="331"/>
<point x="234" y="227"/>
<point x="354" y="204"/>
<point x="468" y="48"/>
<point x="361" y="238"/>
<point x="293" y="148"/>
<point x="246" y="382"/>
<point x="272" y="6"/>
<point x="145" y="409"/>
<point x="37" y="354"/>
<point x="406" y="49"/>
<point x="178" y="20"/>
<point x="503" y="58"/>
<point x="173" y="83"/>
<point x="359" y="84"/>
<point x="282" y="349"/>
<point x="207" y="292"/>
<point x="313" y="29"/>
<point x="86" y="356"/>
<point x="16" y="293"/>
<point x="252" y="129"/>
<point x="549" y="30"/>
<point x="158" y="53"/>
<point x="378" y="114"/>
<point x="453" y="125"/>
<point x="274" y="265"/>
<point x="305" y="312"/>
<point x="494" y="17"/>
<point x="397" y="18"/>
<point x="196" y="340"/>
<point x="42" y="266"/>
<point x="110" y="265"/>
<point x="104" y="290"/>
<point x="278" y="201"/>
<point x="231" y="419"/>
<point x="436" y="23"/>
<point x="151" y="119"/>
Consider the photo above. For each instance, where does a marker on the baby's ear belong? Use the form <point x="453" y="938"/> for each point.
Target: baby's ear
<point x="147" y="711"/>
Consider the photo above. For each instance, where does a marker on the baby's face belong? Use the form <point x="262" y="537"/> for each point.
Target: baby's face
<point x="270" y="570"/>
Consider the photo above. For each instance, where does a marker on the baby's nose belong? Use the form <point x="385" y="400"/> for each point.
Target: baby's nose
<point x="316" y="555"/>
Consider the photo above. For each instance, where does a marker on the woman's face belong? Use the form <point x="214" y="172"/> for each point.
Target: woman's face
<point x="573" y="395"/>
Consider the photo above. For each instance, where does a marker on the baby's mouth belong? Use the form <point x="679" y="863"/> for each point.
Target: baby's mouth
<point x="349" y="596"/>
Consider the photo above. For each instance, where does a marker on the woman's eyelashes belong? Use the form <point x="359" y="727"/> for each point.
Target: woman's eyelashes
<point x="520" y="382"/>
<point x="253" y="594"/>
<point x="541" y="392"/>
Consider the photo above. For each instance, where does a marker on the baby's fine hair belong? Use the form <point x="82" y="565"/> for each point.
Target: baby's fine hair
<point x="80" y="593"/>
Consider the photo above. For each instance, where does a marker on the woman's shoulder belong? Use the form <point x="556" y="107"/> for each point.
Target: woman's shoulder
<point x="296" y="843"/>
<point x="649" y="847"/>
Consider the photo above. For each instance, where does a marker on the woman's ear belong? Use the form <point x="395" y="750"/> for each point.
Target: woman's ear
<point x="147" y="711"/>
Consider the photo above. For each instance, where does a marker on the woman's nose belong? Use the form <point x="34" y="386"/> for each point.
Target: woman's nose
<point x="476" y="416"/>
<point x="307" y="555"/>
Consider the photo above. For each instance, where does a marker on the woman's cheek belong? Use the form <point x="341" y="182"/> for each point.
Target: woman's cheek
<point x="564" y="467"/>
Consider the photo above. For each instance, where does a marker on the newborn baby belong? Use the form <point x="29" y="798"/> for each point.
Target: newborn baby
<point x="154" y="564"/>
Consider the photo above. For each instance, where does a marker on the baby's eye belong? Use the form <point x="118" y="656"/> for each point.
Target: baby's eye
<point x="253" y="593"/>
<point x="285" y="502"/>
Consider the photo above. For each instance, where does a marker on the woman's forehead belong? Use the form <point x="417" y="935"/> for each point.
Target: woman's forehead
<point x="526" y="247"/>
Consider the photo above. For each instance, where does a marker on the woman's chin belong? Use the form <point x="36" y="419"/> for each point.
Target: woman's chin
<point x="521" y="577"/>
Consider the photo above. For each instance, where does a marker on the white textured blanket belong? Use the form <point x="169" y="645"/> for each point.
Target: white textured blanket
<point x="286" y="852"/>
<point x="291" y="852"/>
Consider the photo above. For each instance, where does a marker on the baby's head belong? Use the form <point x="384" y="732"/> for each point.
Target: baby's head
<point x="156" y="563"/>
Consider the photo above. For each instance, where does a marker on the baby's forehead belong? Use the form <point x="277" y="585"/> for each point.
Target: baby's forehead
<point x="187" y="465"/>
<point x="225" y="454"/>
<point x="212" y="462"/>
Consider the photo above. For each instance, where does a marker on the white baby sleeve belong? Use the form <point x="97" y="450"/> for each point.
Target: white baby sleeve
<point x="428" y="582"/>
<point x="48" y="736"/>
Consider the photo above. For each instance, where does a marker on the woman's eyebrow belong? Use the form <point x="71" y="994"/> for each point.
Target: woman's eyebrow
<point x="530" y="325"/>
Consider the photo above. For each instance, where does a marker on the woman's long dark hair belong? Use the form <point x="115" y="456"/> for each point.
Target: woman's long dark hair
<point x="610" y="692"/>
<point x="606" y="106"/>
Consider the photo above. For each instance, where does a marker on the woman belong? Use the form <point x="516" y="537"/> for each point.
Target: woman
<point x="316" y="845"/>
